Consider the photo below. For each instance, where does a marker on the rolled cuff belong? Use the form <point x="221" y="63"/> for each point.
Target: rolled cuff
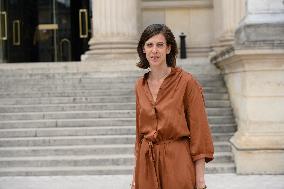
<point x="208" y="157"/>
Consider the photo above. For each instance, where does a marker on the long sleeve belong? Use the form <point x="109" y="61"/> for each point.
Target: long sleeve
<point x="201" y="144"/>
<point x="137" y="141"/>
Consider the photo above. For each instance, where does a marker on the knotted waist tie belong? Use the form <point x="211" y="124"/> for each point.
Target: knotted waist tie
<point x="151" y="141"/>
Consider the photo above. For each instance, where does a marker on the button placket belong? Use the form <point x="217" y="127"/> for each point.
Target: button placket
<point x="156" y="116"/>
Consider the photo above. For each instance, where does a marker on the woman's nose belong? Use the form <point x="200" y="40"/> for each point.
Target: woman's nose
<point x="154" y="49"/>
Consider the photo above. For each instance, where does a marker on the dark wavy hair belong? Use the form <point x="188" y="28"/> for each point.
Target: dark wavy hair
<point x="151" y="31"/>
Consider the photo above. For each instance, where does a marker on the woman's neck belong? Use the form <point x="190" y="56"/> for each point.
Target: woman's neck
<point x="158" y="73"/>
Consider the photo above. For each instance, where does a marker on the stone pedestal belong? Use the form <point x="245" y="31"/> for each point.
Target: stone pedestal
<point x="114" y="30"/>
<point x="254" y="74"/>
<point x="263" y="26"/>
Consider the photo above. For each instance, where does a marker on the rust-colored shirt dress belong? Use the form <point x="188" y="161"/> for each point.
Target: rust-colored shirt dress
<point x="171" y="132"/>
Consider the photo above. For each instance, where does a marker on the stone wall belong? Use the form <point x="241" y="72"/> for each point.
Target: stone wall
<point x="193" y="18"/>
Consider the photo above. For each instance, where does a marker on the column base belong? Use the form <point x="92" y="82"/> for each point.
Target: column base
<point x="113" y="49"/>
<point x="258" y="154"/>
<point x="223" y="42"/>
<point x="92" y="56"/>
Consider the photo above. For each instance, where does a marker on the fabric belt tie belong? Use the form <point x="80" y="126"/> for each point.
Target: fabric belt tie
<point x="152" y="158"/>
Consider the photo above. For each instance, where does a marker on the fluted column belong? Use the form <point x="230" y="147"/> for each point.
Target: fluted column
<point x="114" y="29"/>
<point x="227" y="15"/>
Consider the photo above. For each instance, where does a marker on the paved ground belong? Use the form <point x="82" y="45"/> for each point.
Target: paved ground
<point x="214" y="181"/>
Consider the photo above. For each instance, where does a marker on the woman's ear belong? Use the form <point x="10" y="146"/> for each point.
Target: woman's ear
<point x="144" y="50"/>
<point x="169" y="47"/>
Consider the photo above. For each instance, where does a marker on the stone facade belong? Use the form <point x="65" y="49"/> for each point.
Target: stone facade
<point x="245" y="39"/>
<point x="193" y="18"/>
<point x="197" y="25"/>
<point x="254" y="73"/>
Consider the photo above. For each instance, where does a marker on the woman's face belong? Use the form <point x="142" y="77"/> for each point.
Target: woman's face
<point x="156" y="49"/>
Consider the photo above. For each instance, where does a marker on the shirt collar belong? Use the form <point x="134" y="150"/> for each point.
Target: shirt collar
<point x="174" y="70"/>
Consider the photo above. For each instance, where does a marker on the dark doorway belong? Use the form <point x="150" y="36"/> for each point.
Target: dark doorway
<point x="44" y="30"/>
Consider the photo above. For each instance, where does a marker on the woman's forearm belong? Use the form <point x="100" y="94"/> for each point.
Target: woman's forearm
<point x="132" y="185"/>
<point x="200" y="169"/>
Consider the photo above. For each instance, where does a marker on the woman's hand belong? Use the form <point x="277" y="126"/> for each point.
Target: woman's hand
<point x="132" y="185"/>
<point x="200" y="184"/>
<point x="200" y="168"/>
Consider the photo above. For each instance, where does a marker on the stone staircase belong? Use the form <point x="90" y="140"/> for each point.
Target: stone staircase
<point x="83" y="122"/>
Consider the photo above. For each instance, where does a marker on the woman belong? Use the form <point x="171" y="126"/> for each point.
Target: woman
<point x="173" y="139"/>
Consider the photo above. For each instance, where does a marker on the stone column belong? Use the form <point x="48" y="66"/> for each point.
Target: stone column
<point x="227" y="15"/>
<point x="254" y="74"/>
<point x="114" y="30"/>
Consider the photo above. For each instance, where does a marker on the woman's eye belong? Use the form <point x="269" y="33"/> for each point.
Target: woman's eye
<point x="149" y="45"/>
<point x="160" y="45"/>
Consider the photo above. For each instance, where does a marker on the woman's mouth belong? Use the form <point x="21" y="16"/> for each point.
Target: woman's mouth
<point x="155" y="58"/>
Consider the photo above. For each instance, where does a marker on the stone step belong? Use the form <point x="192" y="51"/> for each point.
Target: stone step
<point x="64" y="119"/>
<point x="104" y="149"/>
<point x="97" y="170"/>
<point x="26" y="74"/>
<point x="92" y="122"/>
<point x="68" y="161"/>
<point x="89" y="78"/>
<point x="86" y="160"/>
<point x="42" y="86"/>
<point x="220" y="168"/>
<point x="67" y="131"/>
<point x="58" y="88"/>
<point x="94" y="75"/>
<point x="97" y="99"/>
<point x="101" y="69"/>
<point x="71" y="93"/>
<point x="65" y="171"/>
<point x="84" y="150"/>
<point x="68" y="115"/>
<point x="66" y="107"/>
<point x="221" y="111"/>
<point x="84" y="140"/>
<point x="69" y="87"/>
<point x="90" y="131"/>
<point x="86" y="83"/>
<point x="90" y="106"/>
<point x="67" y="123"/>
<point x="91" y="114"/>
<point x="90" y="93"/>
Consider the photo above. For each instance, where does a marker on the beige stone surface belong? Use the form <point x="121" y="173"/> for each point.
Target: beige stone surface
<point x="259" y="161"/>
<point x="195" y="22"/>
<point x="201" y="27"/>
<point x="153" y="17"/>
<point x="266" y="109"/>
<point x="270" y="80"/>
<point x="179" y="21"/>
<point x="255" y="80"/>
<point x="227" y="15"/>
